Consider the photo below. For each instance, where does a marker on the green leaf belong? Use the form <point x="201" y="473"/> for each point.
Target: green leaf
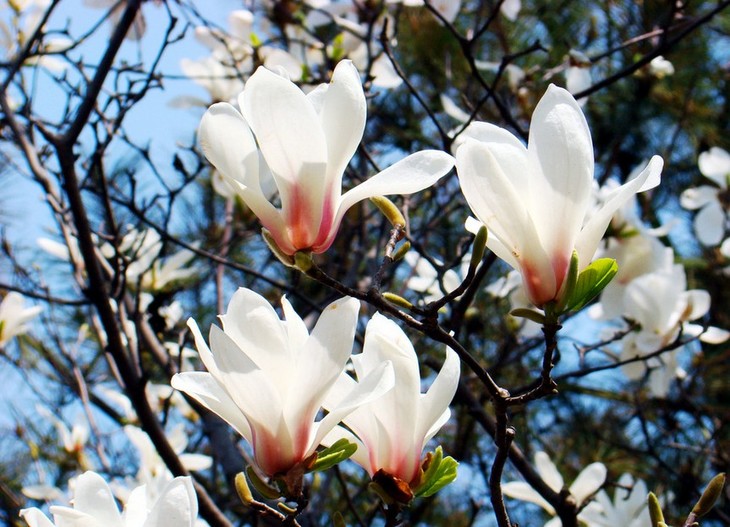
<point x="529" y="314"/>
<point x="571" y="282"/>
<point x="330" y="456"/>
<point x="440" y="472"/>
<point x="591" y="282"/>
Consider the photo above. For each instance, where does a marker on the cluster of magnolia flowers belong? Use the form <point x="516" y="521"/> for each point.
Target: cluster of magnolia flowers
<point x="284" y="153"/>
<point x="250" y="39"/>
<point x="270" y="378"/>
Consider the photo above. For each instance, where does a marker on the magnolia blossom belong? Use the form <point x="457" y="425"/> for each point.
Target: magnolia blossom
<point x="585" y="485"/>
<point x="306" y="141"/>
<point x="73" y="440"/>
<point x="94" y="505"/>
<point x="393" y="430"/>
<point x="635" y="247"/>
<point x="711" y="220"/>
<point x="153" y="474"/>
<point x="661" y="67"/>
<point x="425" y="278"/>
<point x="148" y="267"/>
<point x="14" y="316"/>
<point x="535" y="200"/>
<point x="629" y="507"/>
<point x="510" y="287"/>
<point x="661" y="305"/>
<point x="359" y="40"/>
<point x="268" y="378"/>
<point x="221" y="73"/>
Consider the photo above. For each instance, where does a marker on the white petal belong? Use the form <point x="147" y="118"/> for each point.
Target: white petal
<point x="343" y="120"/>
<point x="258" y="393"/>
<point x="288" y="132"/>
<point x="698" y="302"/>
<point x="713" y="335"/>
<point x="697" y="197"/>
<point x="593" y="231"/>
<point x="497" y="198"/>
<point x="92" y="496"/>
<point x="588" y="482"/>
<point x="35" y="518"/>
<point x="548" y="471"/>
<point x="485" y="172"/>
<point x="176" y="507"/>
<point x="577" y="79"/>
<point x="520" y="490"/>
<point x="195" y="462"/>
<point x="560" y="147"/>
<point x="452" y="110"/>
<point x="435" y="403"/>
<point x="275" y="58"/>
<point x="710" y="224"/>
<point x="203" y="388"/>
<point x="412" y="174"/>
<point x="251" y="322"/>
<point x="380" y="381"/>
<point x="229" y="145"/>
<point x="715" y="164"/>
<point x="321" y="359"/>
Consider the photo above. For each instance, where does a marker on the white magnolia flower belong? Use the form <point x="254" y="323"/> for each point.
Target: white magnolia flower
<point x="14" y="316"/>
<point x="636" y="256"/>
<point x="307" y="142"/>
<point x="72" y="440"/>
<point x="711" y="221"/>
<point x="535" y="200"/>
<point x="94" y="505"/>
<point x="661" y="67"/>
<point x="393" y="429"/>
<point x="510" y="286"/>
<point x="661" y="305"/>
<point x="153" y="473"/>
<point x="231" y="58"/>
<point x="629" y="507"/>
<point x="582" y="489"/>
<point x="152" y="271"/>
<point x="425" y="278"/>
<point x="268" y="378"/>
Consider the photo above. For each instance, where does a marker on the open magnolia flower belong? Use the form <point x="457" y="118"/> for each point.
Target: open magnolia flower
<point x="306" y="141"/>
<point x="269" y="377"/>
<point x="629" y="507"/>
<point x="14" y="316"/>
<point x="94" y="505"/>
<point x="393" y="430"/>
<point x="661" y="305"/>
<point x="536" y="200"/>
<point x="586" y="484"/>
<point x="711" y="220"/>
